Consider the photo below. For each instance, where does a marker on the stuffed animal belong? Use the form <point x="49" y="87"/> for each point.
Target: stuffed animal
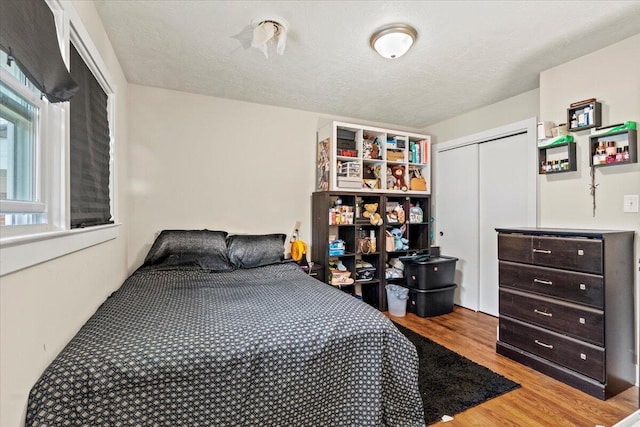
<point x="398" y="174"/>
<point x="391" y="181"/>
<point x="400" y="243"/>
<point x="370" y="211"/>
<point x="375" y="149"/>
<point x="370" y="149"/>
<point x="367" y="149"/>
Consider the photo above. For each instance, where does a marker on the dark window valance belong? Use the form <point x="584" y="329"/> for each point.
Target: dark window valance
<point x="89" y="149"/>
<point x="28" y="35"/>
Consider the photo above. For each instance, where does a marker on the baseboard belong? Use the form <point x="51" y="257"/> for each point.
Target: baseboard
<point x="632" y="420"/>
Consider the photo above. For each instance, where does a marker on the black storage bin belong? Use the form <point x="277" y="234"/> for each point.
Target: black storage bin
<point x="431" y="302"/>
<point x="433" y="273"/>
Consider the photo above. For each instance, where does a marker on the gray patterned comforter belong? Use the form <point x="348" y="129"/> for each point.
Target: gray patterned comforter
<point x="267" y="346"/>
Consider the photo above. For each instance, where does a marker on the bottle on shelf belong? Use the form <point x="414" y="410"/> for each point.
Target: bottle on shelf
<point x="625" y="154"/>
<point x="602" y="155"/>
<point x="587" y="115"/>
<point x="415" y="214"/>
<point x="611" y="148"/>
<point x="372" y="238"/>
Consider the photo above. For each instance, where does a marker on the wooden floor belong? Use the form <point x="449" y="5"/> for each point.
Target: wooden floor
<point x="540" y="401"/>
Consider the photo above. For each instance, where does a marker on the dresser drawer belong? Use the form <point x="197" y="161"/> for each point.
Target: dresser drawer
<point x="576" y="254"/>
<point x="585" y="324"/>
<point x="580" y="288"/>
<point x="581" y="357"/>
<point x="515" y="247"/>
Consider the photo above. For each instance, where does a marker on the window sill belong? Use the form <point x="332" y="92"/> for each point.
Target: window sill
<point x="43" y="247"/>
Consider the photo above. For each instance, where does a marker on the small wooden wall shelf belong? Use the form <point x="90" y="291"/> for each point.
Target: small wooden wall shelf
<point x="557" y="159"/>
<point x="584" y="116"/>
<point x="622" y="146"/>
<point x="557" y="155"/>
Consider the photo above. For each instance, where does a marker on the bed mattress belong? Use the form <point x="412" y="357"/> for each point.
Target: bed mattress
<point x="260" y="346"/>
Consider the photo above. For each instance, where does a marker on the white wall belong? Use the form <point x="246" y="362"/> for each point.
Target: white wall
<point x="205" y="162"/>
<point x="510" y="110"/>
<point x="42" y="307"/>
<point x="612" y="75"/>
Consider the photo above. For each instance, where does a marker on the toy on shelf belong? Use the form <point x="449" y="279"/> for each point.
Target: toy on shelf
<point x="395" y="214"/>
<point x="371" y="212"/>
<point x="400" y="243"/>
<point x="371" y="149"/>
<point x="399" y="179"/>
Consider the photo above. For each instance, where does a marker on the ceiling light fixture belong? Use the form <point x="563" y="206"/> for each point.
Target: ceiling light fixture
<point x="267" y="31"/>
<point x="394" y="40"/>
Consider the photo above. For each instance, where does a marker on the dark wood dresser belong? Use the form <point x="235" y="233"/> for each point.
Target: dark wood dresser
<point x="567" y="305"/>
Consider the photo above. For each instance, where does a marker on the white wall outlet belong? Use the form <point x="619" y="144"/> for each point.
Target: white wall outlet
<point x="631" y="202"/>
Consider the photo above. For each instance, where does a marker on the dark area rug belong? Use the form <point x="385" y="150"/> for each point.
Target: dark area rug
<point x="450" y="383"/>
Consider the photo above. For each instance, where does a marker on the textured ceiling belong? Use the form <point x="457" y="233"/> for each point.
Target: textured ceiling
<point x="468" y="53"/>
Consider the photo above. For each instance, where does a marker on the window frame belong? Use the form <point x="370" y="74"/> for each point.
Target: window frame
<point x="38" y="202"/>
<point x="57" y="238"/>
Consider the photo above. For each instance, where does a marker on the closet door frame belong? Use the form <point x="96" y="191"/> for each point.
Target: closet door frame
<point x="528" y="126"/>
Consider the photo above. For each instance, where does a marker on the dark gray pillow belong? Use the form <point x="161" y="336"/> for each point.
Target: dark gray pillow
<point x="199" y="248"/>
<point x="250" y="250"/>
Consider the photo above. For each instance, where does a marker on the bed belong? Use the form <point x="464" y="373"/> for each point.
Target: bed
<point x="217" y="330"/>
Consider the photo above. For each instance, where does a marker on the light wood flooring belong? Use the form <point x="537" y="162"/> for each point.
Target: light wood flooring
<point x="540" y="401"/>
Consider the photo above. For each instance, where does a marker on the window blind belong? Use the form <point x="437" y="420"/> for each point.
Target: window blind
<point x="89" y="149"/>
<point x="28" y="35"/>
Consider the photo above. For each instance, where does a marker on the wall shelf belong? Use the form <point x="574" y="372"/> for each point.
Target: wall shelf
<point x="558" y="155"/>
<point x="584" y="116"/>
<point x="614" y="148"/>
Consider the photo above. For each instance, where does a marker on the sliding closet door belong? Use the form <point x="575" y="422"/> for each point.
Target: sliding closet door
<point x="457" y="217"/>
<point x="483" y="181"/>
<point x="503" y="202"/>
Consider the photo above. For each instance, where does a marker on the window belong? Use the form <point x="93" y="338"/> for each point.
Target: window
<point x="21" y="194"/>
<point x="37" y="177"/>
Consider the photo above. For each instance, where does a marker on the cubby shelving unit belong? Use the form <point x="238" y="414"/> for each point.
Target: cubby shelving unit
<point x="371" y="291"/>
<point x="354" y="157"/>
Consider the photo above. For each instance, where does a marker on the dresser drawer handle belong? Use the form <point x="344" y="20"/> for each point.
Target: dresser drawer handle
<point x="540" y="343"/>
<point x="544" y="313"/>
<point x="541" y="251"/>
<point x="544" y="282"/>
